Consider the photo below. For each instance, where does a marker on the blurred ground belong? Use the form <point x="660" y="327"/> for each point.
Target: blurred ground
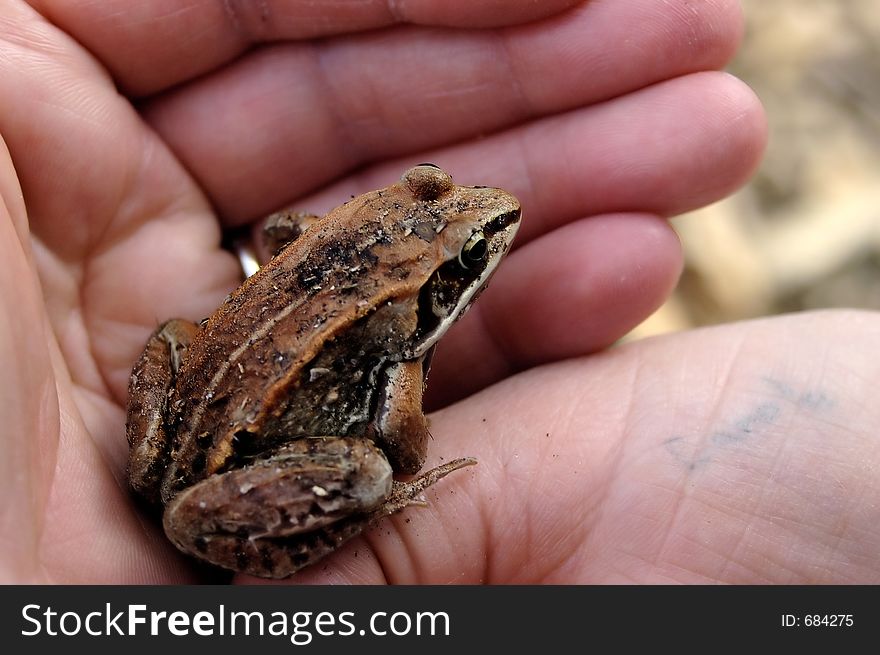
<point x="805" y="233"/>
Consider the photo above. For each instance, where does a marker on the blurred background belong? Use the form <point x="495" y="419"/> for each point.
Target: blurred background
<point x="805" y="233"/>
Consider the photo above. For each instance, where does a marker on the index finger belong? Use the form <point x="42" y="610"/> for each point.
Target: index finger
<point x="152" y="45"/>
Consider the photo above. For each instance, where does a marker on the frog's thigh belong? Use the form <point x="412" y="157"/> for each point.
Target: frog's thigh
<point x="280" y="513"/>
<point x="152" y="377"/>
<point x="400" y="423"/>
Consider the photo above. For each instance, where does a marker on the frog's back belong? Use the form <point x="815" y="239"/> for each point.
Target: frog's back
<point x="295" y="350"/>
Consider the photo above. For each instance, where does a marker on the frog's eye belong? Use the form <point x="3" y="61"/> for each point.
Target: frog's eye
<point x="474" y="250"/>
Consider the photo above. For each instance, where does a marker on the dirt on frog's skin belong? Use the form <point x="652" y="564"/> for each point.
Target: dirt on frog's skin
<point x="271" y="431"/>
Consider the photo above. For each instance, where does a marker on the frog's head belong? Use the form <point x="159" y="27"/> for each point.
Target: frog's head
<point x="474" y="227"/>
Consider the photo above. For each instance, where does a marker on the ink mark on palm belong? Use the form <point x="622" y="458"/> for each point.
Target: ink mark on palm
<point x="695" y="453"/>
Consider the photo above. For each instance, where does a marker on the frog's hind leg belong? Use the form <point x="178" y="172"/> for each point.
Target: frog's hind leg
<point x="283" y="510"/>
<point x="291" y="508"/>
<point x="151" y="381"/>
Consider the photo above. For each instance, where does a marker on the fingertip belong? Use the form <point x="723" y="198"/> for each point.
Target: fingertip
<point x="566" y="294"/>
<point x="588" y="283"/>
<point x="748" y="131"/>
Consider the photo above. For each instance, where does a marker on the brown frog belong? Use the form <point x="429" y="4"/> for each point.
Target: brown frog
<point x="270" y="433"/>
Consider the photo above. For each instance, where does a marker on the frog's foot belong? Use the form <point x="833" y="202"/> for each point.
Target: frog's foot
<point x="149" y="390"/>
<point x="405" y="494"/>
<point x="286" y="226"/>
<point x="291" y="507"/>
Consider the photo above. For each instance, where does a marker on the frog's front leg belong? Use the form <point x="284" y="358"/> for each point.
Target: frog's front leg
<point x="289" y="509"/>
<point x="286" y="226"/>
<point x="148" y="392"/>
<point x="400" y="426"/>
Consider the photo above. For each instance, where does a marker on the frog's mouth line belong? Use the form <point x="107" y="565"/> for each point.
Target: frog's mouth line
<point x="453" y="288"/>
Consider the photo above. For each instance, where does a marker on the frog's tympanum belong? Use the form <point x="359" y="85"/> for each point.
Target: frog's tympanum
<point x="271" y="432"/>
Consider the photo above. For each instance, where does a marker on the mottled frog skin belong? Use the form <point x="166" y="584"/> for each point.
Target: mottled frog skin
<point x="271" y="432"/>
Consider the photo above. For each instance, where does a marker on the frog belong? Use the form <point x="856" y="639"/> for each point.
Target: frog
<point x="291" y="419"/>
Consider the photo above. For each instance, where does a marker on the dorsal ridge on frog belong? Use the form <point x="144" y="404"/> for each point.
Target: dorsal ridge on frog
<point x="271" y="432"/>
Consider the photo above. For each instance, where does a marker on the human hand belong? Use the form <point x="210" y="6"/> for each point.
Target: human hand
<point x="134" y="140"/>
<point x="744" y="453"/>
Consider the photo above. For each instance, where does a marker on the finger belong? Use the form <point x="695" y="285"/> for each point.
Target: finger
<point x="64" y="518"/>
<point x="29" y="436"/>
<point x="745" y="456"/>
<point x="165" y="42"/>
<point x="285" y="120"/>
<point x="666" y="149"/>
<point x="104" y="197"/>
<point x="659" y="150"/>
<point x="566" y="294"/>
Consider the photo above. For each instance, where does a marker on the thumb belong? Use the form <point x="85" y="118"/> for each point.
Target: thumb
<point x="29" y="413"/>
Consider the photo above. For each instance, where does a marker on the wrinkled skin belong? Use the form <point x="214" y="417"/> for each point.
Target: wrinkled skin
<point x="744" y="453"/>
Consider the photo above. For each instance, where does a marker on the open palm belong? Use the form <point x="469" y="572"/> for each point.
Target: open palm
<point x="136" y="137"/>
